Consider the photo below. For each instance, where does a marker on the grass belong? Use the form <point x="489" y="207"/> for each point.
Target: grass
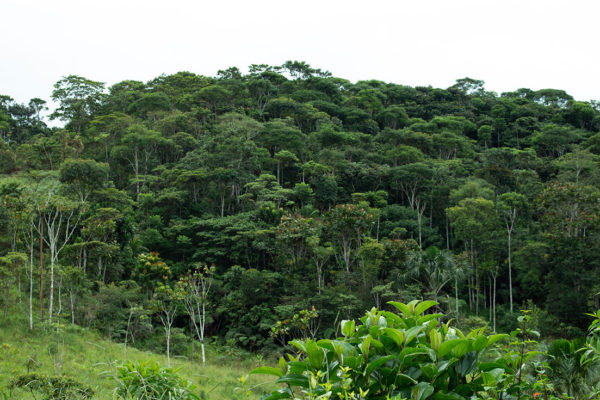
<point x="85" y="356"/>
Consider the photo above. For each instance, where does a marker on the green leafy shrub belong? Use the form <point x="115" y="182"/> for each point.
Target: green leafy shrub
<point x="389" y="356"/>
<point x="52" y="387"/>
<point x="149" y="381"/>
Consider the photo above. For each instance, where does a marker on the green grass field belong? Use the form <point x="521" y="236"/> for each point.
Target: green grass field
<point x="90" y="359"/>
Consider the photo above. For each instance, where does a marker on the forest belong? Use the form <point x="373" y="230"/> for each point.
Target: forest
<point x="250" y="210"/>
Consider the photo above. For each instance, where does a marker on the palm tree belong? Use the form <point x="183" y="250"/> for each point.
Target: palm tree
<point x="432" y="269"/>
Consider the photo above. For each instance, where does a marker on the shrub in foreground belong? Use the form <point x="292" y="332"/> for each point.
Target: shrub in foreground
<point x="149" y="381"/>
<point x="389" y="356"/>
<point x="412" y="355"/>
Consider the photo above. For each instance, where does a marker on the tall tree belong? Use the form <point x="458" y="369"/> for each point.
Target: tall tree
<point x="510" y="206"/>
<point x="78" y="98"/>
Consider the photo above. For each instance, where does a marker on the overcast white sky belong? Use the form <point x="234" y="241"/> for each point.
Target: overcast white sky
<point x="508" y="44"/>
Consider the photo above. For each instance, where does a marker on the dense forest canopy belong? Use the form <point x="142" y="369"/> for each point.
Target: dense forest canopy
<point x="288" y="188"/>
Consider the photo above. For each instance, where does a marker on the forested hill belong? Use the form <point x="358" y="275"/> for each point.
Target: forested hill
<point x="301" y="189"/>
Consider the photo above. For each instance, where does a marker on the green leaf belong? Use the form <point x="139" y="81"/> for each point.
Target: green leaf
<point x="294" y="380"/>
<point x="467" y="363"/>
<point x="421" y="391"/>
<point x="267" y="371"/>
<point x="298" y="367"/>
<point x="348" y="328"/>
<point x="460" y="349"/>
<point x="283" y="365"/>
<point x="404" y="380"/>
<point x="489" y="366"/>
<point x="352" y="362"/>
<point x="365" y="346"/>
<point x="447" y="346"/>
<point x="494" y="338"/>
<point x="412" y="333"/>
<point x="429" y="370"/>
<point x="435" y="338"/>
<point x="480" y="343"/>
<point x="298" y="344"/>
<point x="315" y="354"/>
<point x="403" y="308"/>
<point x="373" y="365"/>
<point x="428" y="317"/>
<point x="424" y="306"/>
<point x="394" y="334"/>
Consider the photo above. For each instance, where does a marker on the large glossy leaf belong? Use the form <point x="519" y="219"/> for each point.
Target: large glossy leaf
<point x="494" y="338"/>
<point x="447" y="346"/>
<point x="404" y="380"/>
<point x="424" y="306"/>
<point x="393" y="319"/>
<point x="298" y="367"/>
<point x="428" y="317"/>
<point x="396" y="335"/>
<point x="467" y="363"/>
<point x="298" y="344"/>
<point x="348" y="328"/>
<point x="435" y="339"/>
<point x="403" y="308"/>
<point x="294" y="380"/>
<point x="315" y="353"/>
<point x="373" y="365"/>
<point x="267" y="371"/>
<point x="365" y="346"/>
<point x="421" y="391"/>
<point x="480" y="343"/>
<point x="429" y="371"/>
<point x="412" y="333"/>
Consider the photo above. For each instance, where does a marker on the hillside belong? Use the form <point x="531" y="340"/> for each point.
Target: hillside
<point x="88" y="358"/>
<point x="259" y="207"/>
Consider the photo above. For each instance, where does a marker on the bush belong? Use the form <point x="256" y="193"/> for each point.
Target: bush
<point x="149" y="381"/>
<point x="53" y="387"/>
<point x="389" y="356"/>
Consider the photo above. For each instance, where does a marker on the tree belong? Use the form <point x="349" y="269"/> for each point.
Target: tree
<point x="139" y="148"/>
<point x="78" y="98"/>
<point x="196" y="287"/>
<point x="578" y="166"/>
<point x="83" y="176"/>
<point x="75" y="283"/>
<point x="294" y="233"/>
<point x="555" y="140"/>
<point x="510" y="205"/>
<point x="284" y="158"/>
<point x="432" y="269"/>
<point x="346" y="224"/>
<point x="10" y="267"/>
<point x="473" y="219"/>
<point x="166" y="303"/>
<point x="60" y="219"/>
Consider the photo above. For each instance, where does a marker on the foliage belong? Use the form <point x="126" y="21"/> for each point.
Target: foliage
<point x="389" y="355"/>
<point x="302" y="189"/>
<point x="53" y="388"/>
<point x="149" y="381"/>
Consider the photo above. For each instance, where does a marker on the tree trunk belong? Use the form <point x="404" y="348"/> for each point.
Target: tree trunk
<point x="510" y="290"/>
<point x="31" y="281"/>
<point x="41" y="272"/>
<point x="456" y="295"/>
<point x="72" y="303"/>
<point x="168" y="334"/>
<point x="494" y="303"/>
<point x="51" y="300"/>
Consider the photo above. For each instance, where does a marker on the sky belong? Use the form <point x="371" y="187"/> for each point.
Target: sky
<point x="508" y="44"/>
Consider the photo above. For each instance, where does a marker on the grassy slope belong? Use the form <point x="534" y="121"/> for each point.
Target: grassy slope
<point x="88" y="358"/>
